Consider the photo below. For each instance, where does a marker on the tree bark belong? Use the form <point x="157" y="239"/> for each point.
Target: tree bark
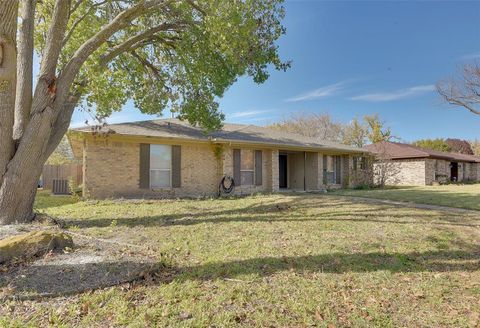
<point x="8" y="66"/>
<point x="18" y="190"/>
<point x="23" y="100"/>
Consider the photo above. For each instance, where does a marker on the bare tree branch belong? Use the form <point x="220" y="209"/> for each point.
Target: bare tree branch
<point x="463" y="91"/>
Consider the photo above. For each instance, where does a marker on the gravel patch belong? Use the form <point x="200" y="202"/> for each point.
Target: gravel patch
<point x="92" y="264"/>
<point x="19" y="229"/>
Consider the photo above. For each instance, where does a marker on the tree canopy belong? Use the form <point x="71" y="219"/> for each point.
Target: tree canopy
<point x="182" y="55"/>
<point x="438" y="144"/>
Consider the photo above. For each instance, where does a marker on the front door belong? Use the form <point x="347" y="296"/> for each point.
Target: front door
<point x="282" y="171"/>
<point x="454" y="171"/>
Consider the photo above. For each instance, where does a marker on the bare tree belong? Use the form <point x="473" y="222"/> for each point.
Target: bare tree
<point x="385" y="170"/>
<point x="320" y="126"/>
<point x="355" y="133"/>
<point x="475" y="147"/>
<point x="464" y="90"/>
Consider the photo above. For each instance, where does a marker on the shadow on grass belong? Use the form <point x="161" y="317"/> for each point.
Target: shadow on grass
<point x="51" y="280"/>
<point x="56" y="280"/>
<point x="339" y="263"/>
<point x="291" y="211"/>
<point x="440" y="197"/>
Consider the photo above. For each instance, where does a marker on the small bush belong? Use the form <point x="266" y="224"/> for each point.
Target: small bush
<point x="74" y="189"/>
<point x="363" y="186"/>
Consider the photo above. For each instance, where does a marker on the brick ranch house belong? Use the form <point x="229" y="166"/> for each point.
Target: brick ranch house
<point x="411" y="165"/>
<point x="170" y="158"/>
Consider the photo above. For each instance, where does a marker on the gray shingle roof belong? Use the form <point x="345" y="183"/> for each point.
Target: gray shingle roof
<point x="248" y="134"/>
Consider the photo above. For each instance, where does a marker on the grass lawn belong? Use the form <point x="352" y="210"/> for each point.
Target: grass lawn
<point x="275" y="261"/>
<point x="461" y="196"/>
<point x="46" y="200"/>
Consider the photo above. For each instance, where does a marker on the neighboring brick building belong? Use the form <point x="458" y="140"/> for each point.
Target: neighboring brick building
<point x="169" y="158"/>
<point x="411" y="165"/>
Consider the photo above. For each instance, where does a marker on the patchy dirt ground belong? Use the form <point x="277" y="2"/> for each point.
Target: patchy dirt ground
<point x="92" y="264"/>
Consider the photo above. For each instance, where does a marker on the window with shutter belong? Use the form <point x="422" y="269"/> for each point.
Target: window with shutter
<point x="176" y="166"/>
<point x="247" y="165"/>
<point x="160" y="166"/>
<point x="258" y="167"/>
<point x="144" y="166"/>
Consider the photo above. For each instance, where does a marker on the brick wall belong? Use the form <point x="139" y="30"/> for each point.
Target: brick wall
<point x="112" y="169"/>
<point x="267" y="175"/>
<point x="275" y="182"/>
<point x="430" y="170"/>
<point x="476" y="171"/>
<point x="407" y="172"/>
<point x="347" y="167"/>
<point x="426" y="171"/>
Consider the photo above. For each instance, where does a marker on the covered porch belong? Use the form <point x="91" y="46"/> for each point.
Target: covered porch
<point x="312" y="171"/>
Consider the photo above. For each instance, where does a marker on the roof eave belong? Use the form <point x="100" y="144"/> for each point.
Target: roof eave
<point x="306" y="147"/>
<point x="289" y="146"/>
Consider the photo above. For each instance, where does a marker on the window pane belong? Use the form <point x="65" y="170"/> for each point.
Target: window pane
<point x="160" y="157"/>
<point x="247" y="159"/>
<point x="330" y="177"/>
<point x="246" y="178"/>
<point x="330" y="164"/>
<point x="159" y="179"/>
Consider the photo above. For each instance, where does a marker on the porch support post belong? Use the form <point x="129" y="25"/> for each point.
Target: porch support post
<point x="304" y="171"/>
<point x="274" y="173"/>
<point x="320" y="172"/>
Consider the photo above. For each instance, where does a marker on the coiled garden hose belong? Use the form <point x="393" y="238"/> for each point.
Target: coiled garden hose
<point x="226" y="186"/>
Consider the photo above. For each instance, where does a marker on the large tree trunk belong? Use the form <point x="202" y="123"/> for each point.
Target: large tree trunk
<point x="36" y="119"/>
<point x="19" y="187"/>
<point x="18" y="195"/>
<point x="8" y="66"/>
